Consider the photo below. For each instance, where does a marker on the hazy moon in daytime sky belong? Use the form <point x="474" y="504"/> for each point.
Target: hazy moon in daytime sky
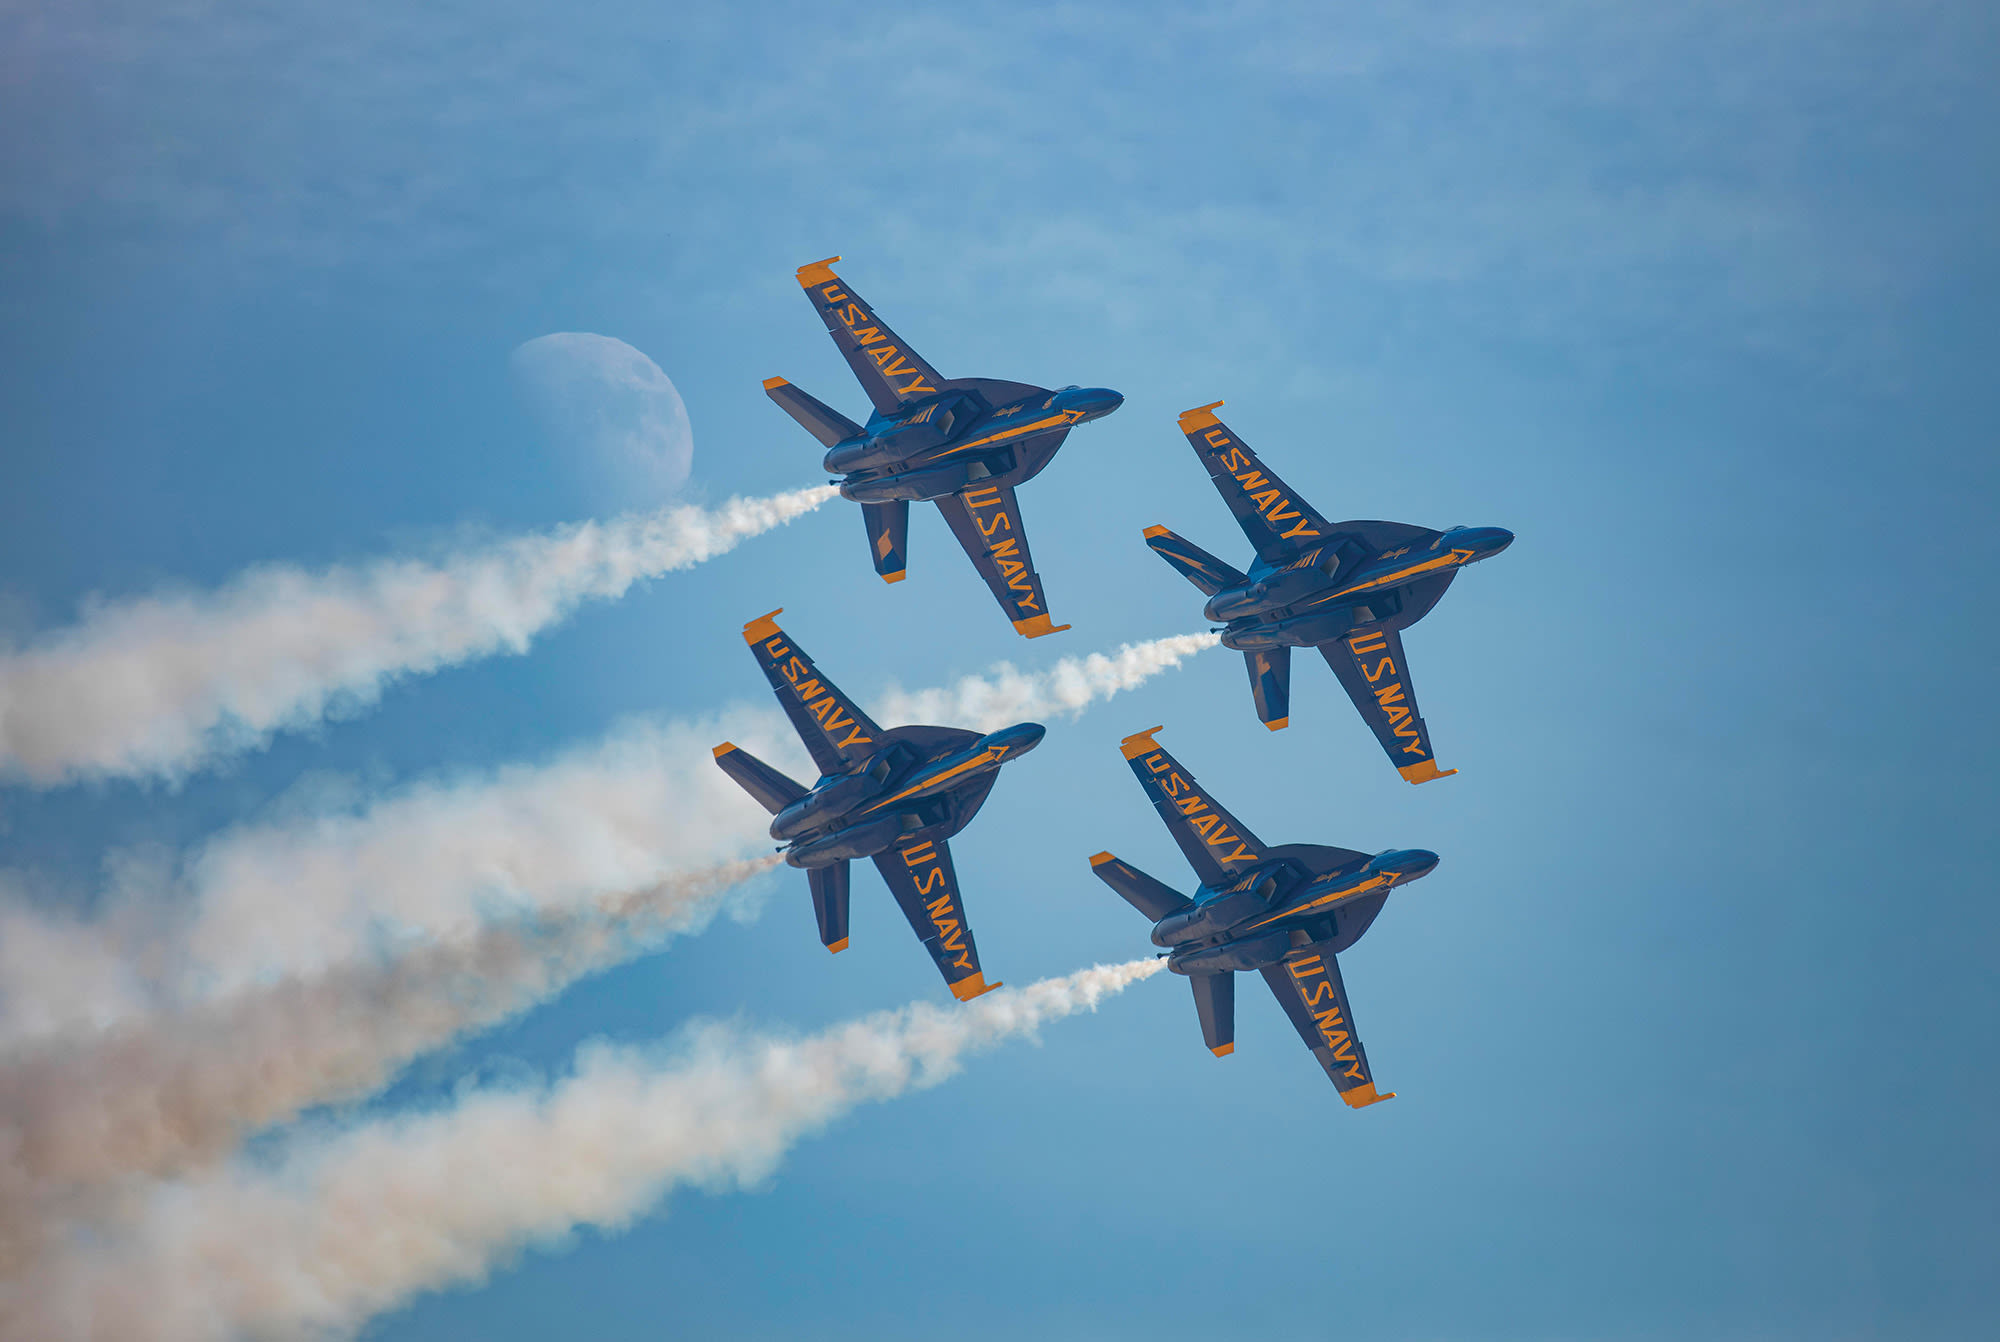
<point x="612" y="411"/>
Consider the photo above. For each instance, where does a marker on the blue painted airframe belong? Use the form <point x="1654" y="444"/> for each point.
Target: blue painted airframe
<point x="1346" y="588"/>
<point x="963" y="443"/>
<point x="1282" y="911"/>
<point x="895" y="796"/>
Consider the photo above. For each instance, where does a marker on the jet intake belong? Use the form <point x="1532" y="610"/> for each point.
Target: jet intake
<point x="823" y="805"/>
<point x="1237" y="956"/>
<point x="844" y="845"/>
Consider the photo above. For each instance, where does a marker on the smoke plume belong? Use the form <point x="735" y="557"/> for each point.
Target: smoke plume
<point x="1004" y="696"/>
<point x="340" y="1227"/>
<point x="171" y="1091"/>
<point x="154" y="686"/>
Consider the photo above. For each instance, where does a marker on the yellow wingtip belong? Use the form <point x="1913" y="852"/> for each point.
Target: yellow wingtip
<point x="1223" y="1050"/>
<point x="976" y="986"/>
<point x="763" y="627"/>
<point x="1201" y="417"/>
<point x="1424" y="772"/>
<point x="897" y="576"/>
<point x="1364" y="1095"/>
<point x="1138" y="743"/>
<point x="1278" y="724"/>
<point x="1037" y="625"/>
<point x="837" y="946"/>
<point x="1157" y="531"/>
<point x="724" y="749"/>
<point x="817" y="272"/>
<point x="771" y="382"/>
<point x="1100" y="859"/>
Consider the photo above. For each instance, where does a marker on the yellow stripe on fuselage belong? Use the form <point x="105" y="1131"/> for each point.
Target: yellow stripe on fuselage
<point x="1375" y="882"/>
<point x="1056" y="420"/>
<point x="1456" y="557"/>
<point x="986" y="756"/>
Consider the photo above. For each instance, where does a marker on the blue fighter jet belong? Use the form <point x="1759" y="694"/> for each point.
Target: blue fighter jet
<point x="963" y="443"/>
<point x="894" y="796"/>
<point x="1282" y="911"/>
<point x="1346" y="588"/>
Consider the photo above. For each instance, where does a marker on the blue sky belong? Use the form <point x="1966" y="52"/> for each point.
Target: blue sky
<point x="1692" y="1026"/>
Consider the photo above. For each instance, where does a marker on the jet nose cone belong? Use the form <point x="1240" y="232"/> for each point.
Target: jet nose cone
<point x="1407" y="863"/>
<point x="1018" y="739"/>
<point x="1094" y="402"/>
<point x="1484" y="542"/>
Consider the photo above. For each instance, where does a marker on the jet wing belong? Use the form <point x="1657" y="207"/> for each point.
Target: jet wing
<point x="1214" y="841"/>
<point x="890" y="371"/>
<point x="1278" y="522"/>
<point x="1372" y="669"/>
<point x="987" y="522"/>
<point x="838" y="735"/>
<point x="1307" y="985"/>
<point x="921" y="877"/>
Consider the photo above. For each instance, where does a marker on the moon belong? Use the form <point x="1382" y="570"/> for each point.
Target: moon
<point x="611" y="409"/>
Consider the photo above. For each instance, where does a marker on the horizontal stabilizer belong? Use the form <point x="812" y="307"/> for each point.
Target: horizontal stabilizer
<point x="819" y="419"/>
<point x="888" y="537"/>
<point x="1215" y="1003"/>
<point x="1271" y="685"/>
<point x="1155" y="899"/>
<point x="772" y="789"/>
<point x="1192" y="562"/>
<point x="829" y="891"/>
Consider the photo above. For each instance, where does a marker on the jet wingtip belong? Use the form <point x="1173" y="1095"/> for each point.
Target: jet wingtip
<point x="1138" y="743"/>
<point x="1364" y="1095"/>
<point x="897" y="576"/>
<point x="773" y="383"/>
<point x="1099" y="859"/>
<point x="1201" y="417"/>
<point x="817" y="272"/>
<point x="1152" y="532"/>
<point x="763" y="627"/>
<point x="1424" y="772"/>
<point x="837" y="946"/>
<point x="1278" y="724"/>
<point x="1037" y="625"/>
<point x="1223" y="1050"/>
<point x="976" y="986"/>
<point x="724" y="749"/>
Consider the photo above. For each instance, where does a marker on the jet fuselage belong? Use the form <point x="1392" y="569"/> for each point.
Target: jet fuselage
<point x="1248" y="924"/>
<point x="1316" y="598"/>
<point x="952" y="442"/>
<point x="863" y="812"/>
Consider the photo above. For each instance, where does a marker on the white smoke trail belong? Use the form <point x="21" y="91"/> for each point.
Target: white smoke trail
<point x="295" y="896"/>
<point x="343" y="1227"/>
<point x="171" y="1091"/>
<point x="303" y="893"/>
<point x="1004" y="696"/>
<point x="154" y="686"/>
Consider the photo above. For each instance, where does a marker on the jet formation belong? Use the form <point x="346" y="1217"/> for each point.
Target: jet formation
<point x="898" y="796"/>
<point x="893" y="796"/>
<point x="962" y="443"/>
<point x="1348" y="589"/>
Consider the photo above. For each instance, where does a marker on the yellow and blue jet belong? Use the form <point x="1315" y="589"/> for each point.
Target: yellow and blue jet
<point x="1346" y="588"/>
<point x="1282" y="911"/>
<point x="963" y="443"/>
<point x="895" y="796"/>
